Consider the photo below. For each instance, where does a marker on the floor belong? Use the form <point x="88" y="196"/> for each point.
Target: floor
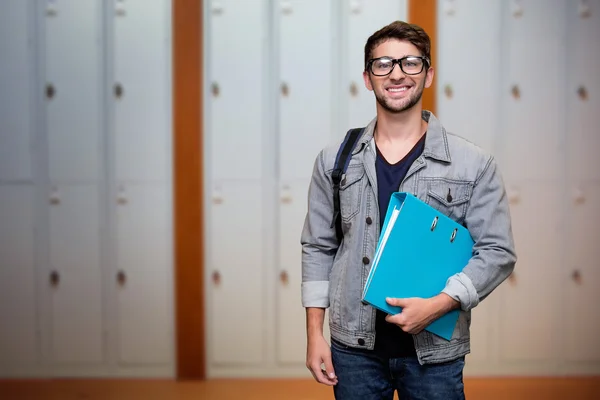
<point x="476" y="389"/>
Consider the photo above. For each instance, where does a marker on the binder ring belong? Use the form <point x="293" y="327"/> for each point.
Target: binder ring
<point x="434" y="223"/>
<point x="453" y="235"/>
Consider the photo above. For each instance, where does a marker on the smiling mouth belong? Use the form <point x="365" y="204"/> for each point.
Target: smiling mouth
<point x="401" y="89"/>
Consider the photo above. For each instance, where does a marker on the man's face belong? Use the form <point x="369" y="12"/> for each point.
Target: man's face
<point x="398" y="91"/>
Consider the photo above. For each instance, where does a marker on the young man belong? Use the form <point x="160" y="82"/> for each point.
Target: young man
<point x="407" y="149"/>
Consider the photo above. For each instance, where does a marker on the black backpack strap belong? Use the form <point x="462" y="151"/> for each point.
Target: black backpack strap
<point x="342" y="160"/>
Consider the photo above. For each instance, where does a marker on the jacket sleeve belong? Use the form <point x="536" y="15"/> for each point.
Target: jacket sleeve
<point x="489" y="222"/>
<point x="318" y="239"/>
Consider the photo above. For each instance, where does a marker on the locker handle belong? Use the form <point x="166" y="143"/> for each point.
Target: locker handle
<point x="576" y="275"/>
<point x="285" y="90"/>
<point x="215" y="89"/>
<point x="216" y="278"/>
<point x="283" y="277"/>
<point x="353" y="89"/>
<point x="54" y="278"/>
<point x="121" y="278"/>
<point x="50" y="91"/>
<point x="582" y="92"/>
<point x="516" y="92"/>
<point x="448" y="91"/>
<point x="118" y="90"/>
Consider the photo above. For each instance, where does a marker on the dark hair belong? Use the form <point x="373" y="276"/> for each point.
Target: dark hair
<point x="399" y="30"/>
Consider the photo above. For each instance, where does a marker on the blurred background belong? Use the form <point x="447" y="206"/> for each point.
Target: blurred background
<point x="95" y="195"/>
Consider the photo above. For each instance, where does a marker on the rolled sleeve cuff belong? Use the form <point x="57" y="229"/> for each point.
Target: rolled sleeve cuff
<point x="315" y="294"/>
<point x="461" y="288"/>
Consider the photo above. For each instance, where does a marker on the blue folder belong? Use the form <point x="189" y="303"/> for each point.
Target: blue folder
<point x="418" y="250"/>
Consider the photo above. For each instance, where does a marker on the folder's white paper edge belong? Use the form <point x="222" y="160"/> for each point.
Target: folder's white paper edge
<point x="384" y="238"/>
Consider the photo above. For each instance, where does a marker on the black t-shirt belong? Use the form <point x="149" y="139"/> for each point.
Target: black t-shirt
<point x="390" y="340"/>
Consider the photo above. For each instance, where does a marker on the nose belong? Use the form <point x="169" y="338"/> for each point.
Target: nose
<point x="396" y="73"/>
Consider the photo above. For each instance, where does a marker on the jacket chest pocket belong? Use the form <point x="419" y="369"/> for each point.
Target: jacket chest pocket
<point x="449" y="197"/>
<point x="351" y="192"/>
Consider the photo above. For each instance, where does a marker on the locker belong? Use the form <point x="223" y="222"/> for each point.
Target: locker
<point x="16" y="86"/>
<point x="237" y="67"/>
<point x="142" y="277"/>
<point x="467" y="69"/>
<point x="361" y="19"/>
<point x="527" y="331"/>
<point x="306" y="69"/>
<point x="583" y="90"/>
<point x="18" y="347"/>
<point x="581" y="276"/>
<point x="236" y="274"/>
<point x="73" y="91"/>
<point x="141" y="97"/>
<point x="532" y="122"/>
<point x="74" y="276"/>
<point x="291" y="316"/>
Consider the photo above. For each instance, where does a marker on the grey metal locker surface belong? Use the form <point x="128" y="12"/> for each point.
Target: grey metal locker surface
<point x="18" y="341"/>
<point x="73" y="77"/>
<point x="467" y="69"/>
<point x="306" y="58"/>
<point x="236" y="274"/>
<point x="74" y="277"/>
<point x="362" y="19"/>
<point x="581" y="275"/>
<point x="528" y="316"/>
<point x="237" y="41"/>
<point x="532" y="122"/>
<point x="16" y="82"/>
<point x="141" y="90"/>
<point x="582" y="61"/>
<point x="142" y="276"/>
<point x="291" y="316"/>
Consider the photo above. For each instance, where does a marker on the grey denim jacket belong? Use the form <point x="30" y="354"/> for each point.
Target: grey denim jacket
<point x="333" y="276"/>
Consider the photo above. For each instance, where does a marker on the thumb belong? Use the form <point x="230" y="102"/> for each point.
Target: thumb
<point x="397" y="302"/>
<point x="329" y="367"/>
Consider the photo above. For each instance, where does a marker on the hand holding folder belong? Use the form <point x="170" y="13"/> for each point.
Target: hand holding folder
<point x="418" y="250"/>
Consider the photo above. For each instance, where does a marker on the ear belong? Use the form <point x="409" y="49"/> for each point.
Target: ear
<point x="367" y="80"/>
<point x="429" y="77"/>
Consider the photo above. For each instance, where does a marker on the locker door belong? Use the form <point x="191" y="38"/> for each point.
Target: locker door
<point x="16" y="87"/>
<point x="527" y="308"/>
<point x="533" y="76"/>
<point x="307" y="64"/>
<point x="74" y="275"/>
<point x="73" y="76"/>
<point x="361" y="19"/>
<point x="18" y="345"/>
<point x="236" y="275"/>
<point x="583" y="90"/>
<point x="141" y="90"/>
<point x="143" y="277"/>
<point x="581" y="275"/>
<point x="467" y="69"/>
<point x="237" y="72"/>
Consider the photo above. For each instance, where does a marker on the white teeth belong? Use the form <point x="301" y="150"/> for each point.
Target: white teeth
<point x="398" y="89"/>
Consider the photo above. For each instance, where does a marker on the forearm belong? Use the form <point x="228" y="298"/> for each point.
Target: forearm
<point x="315" y="318"/>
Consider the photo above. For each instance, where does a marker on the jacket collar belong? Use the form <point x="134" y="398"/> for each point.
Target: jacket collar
<point x="436" y="142"/>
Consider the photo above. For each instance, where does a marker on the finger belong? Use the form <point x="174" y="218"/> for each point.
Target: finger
<point x="320" y="375"/>
<point x="330" y="372"/>
<point x="396" y="302"/>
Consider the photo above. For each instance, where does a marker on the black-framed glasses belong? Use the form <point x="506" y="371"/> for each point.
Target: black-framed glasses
<point x="410" y="65"/>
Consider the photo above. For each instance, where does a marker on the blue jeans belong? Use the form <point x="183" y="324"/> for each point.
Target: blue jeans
<point x="363" y="375"/>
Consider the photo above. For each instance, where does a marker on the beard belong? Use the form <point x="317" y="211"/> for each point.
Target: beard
<point x="406" y="104"/>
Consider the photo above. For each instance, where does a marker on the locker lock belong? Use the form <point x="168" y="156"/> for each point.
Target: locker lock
<point x="283" y="277"/>
<point x="121" y="278"/>
<point x="584" y="9"/>
<point x="50" y="91"/>
<point x="448" y="91"/>
<point x="582" y="92"/>
<point x="118" y="90"/>
<point x="215" y="89"/>
<point x="54" y="278"/>
<point x="353" y="89"/>
<point x="576" y="275"/>
<point x="216" y="278"/>
<point x="516" y="92"/>
<point x="285" y="90"/>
